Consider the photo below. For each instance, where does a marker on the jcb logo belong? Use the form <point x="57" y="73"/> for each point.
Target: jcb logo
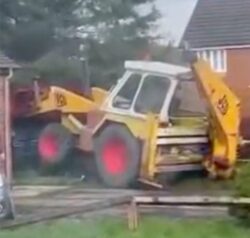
<point x="60" y="100"/>
<point x="223" y="105"/>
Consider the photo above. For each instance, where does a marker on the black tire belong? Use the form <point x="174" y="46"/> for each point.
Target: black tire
<point x="130" y="173"/>
<point x="65" y="142"/>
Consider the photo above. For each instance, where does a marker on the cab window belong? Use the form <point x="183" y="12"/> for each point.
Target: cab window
<point x="152" y="94"/>
<point x="125" y="97"/>
<point x="187" y="101"/>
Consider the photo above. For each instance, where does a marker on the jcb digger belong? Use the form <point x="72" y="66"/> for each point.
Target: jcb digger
<point x="141" y="128"/>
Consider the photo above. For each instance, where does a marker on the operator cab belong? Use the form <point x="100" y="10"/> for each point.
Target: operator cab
<point x="153" y="87"/>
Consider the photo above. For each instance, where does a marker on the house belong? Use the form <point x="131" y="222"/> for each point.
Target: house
<point x="219" y="32"/>
<point x="6" y="70"/>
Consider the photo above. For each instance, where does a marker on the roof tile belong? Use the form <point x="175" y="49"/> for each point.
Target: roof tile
<point x="219" y="23"/>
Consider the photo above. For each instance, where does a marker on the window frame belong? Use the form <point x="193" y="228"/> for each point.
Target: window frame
<point x="164" y="114"/>
<point x="124" y="85"/>
<point x="140" y="90"/>
<point x="213" y="56"/>
<point x="114" y="93"/>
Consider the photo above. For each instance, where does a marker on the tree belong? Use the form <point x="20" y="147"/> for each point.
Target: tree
<point x="110" y="30"/>
<point x="120" y="31"/>
<point x="30" y="28"/>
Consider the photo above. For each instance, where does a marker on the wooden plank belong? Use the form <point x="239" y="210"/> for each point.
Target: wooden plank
<point x="191" y="200"/>
<point x="98" y="205"/>
<point x="182" y="202"/>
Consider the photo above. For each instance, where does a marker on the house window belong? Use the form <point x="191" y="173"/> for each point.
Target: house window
<point x="216" y="58"/>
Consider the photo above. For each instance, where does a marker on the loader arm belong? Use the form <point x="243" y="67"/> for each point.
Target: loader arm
<point x="224" y="119"/>
<point x="65" y="101"/>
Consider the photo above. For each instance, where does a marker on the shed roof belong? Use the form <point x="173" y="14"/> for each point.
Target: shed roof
<point x="6" y="62"/>
<point x="219" y="23"/>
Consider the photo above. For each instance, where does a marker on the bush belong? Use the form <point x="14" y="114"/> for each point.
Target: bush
<point x="242" y="181"/>
<point x="242" y="189"/>
<point x="58" y="69"/>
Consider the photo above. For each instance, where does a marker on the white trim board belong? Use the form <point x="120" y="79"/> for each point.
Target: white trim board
<point x="228" y="47"/>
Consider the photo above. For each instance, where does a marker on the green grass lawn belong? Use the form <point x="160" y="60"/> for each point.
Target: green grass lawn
<point x="150" y="227"/>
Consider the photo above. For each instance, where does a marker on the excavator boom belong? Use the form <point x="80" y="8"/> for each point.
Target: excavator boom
<point x="65" y="101"/>
<point x="224" y="119"/>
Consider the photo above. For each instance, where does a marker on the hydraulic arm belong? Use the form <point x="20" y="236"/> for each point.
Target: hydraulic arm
<point x="224" y="120"/>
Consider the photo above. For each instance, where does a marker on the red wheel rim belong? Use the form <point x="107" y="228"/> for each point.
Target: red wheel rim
<point x="48" y="148"/>
<point x="114" y="157"/>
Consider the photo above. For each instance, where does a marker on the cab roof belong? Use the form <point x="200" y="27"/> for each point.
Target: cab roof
<point x="159" y="68"/>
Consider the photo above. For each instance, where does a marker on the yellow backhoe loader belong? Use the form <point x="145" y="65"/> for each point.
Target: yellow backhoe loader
<point x="142" y="127"/>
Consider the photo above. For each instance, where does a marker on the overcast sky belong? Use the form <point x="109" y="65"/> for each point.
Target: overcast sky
<point x="175" y="16"/>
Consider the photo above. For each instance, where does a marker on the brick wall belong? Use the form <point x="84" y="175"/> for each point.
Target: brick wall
<point x="238" y="78"/>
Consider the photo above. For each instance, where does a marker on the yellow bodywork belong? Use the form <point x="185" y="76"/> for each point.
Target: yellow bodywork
<point x="224" y="119"/>
<point x="72" y="123"/>
<point x="99" y="95"/>
<point x="65" y="101"/>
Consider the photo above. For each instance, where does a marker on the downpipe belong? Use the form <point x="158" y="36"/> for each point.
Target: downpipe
<point x="7" y="121"/>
